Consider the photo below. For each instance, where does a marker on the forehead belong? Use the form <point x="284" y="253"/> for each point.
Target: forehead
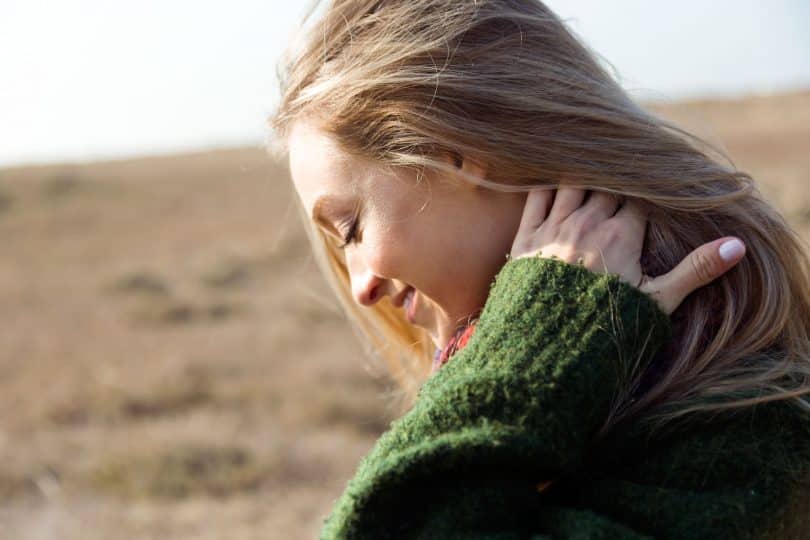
<point x="322" y="171"/>
<point x="317" y="165"/>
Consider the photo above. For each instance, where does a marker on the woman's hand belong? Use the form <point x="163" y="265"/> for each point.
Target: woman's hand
<point x="607" y="238"/>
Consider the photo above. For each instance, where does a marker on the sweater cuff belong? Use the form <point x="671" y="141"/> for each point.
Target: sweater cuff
<point x="549" y="305"/>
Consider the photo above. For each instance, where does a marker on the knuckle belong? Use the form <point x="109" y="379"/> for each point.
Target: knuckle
<point x="611" y="231"/>
<point x="576" y="229"/>
<point x="550" y="230"/>
<point x="704" y="267"/>
<point x="521" y="246"/>
<point x="586" y="222"/>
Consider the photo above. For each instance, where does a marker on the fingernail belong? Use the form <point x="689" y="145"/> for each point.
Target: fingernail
<point x="731" y="250"/>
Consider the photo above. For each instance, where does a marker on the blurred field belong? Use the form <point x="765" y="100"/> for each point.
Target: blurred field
<point x="171" y="363"/>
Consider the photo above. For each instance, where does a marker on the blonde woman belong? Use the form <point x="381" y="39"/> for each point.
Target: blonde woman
<point x="602" y="328"/>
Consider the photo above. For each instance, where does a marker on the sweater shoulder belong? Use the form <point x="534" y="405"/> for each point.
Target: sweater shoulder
<point x="747" y="472"/>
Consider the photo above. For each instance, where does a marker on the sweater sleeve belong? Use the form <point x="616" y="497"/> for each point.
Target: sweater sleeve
<point x="517" y="406"/>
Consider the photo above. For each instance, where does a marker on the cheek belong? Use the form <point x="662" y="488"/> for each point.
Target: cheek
<point x="468" y="261"/>
<point x="452" y="253"/>
<point x="402" y="251"/>
<point x="438" y="263"/>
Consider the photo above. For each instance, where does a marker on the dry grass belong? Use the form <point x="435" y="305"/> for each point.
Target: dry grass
<point x="184" y="471"/>
<point x="164" y="399"/>
<point x="172" y="365"/>
<point x="6" y="201"/>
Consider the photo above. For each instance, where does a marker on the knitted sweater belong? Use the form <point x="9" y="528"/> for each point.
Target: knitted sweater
<point x="500" y="441"/>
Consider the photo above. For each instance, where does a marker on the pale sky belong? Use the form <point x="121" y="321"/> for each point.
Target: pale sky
<point x="91" y="79"/>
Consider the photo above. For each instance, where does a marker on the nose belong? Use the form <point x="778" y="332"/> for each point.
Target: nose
<point x="367" y="287"/>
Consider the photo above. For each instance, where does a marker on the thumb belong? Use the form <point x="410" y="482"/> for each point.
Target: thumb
<point x="699" y="268"/>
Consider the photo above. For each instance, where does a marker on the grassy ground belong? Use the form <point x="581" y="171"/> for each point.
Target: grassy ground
<point x="172" y="365"/>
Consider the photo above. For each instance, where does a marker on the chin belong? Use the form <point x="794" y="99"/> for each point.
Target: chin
<point x="438" y="328"/>
<point x="435" y="336"/>
<point x="442" y="338"/>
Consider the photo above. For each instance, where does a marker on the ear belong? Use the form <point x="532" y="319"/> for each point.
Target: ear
<point x="467" y="166"/>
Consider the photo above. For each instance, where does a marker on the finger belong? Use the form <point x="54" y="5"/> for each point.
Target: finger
<point x="699" y="268"/>
<point x="600" y="206"/>
<point x="566" y="201"/>
<point x="631" y="208"/>
<point x="535" y="211"/>
<point x="633" y="217"/>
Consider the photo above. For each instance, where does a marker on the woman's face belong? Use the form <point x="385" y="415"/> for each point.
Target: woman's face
<point x="432" y="246"/>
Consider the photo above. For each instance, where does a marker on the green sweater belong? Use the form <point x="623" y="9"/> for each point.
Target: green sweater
<point x="521" y="403"/>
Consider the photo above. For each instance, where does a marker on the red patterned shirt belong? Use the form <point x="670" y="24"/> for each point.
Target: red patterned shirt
<point x="457" y="342"/>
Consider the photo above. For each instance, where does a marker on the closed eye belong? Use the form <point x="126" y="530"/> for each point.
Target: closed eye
<point x="350" y="235"/>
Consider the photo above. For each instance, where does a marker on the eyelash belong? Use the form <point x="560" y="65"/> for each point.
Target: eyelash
<point x="350" y="235"/>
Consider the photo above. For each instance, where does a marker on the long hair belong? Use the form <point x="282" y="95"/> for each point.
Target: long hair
<point x="507" y="84"/>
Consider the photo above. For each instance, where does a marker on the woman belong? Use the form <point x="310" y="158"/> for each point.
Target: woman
<point x="475" y="182"/>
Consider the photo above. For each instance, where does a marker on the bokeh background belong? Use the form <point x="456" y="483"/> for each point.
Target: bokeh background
<point x="171" y="363"/>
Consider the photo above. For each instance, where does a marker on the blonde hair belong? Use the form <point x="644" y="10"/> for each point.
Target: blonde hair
<point x="506" y="83"/>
